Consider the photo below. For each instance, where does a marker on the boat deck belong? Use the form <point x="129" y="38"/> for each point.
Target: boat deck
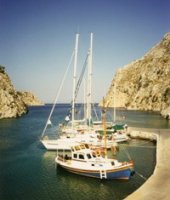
<point x="158" y="185"/>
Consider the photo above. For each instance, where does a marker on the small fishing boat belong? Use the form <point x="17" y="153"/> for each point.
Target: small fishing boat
<point x="87" y="162"/>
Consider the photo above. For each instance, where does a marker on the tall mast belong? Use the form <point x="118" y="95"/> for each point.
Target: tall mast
<point x="104" y="109"/>
<point x="85" y="98"/>
<point x="89" y="92"/>
<point x="90" y="73"/>
<point x="74" y="77"/>
<point x="114" y="102"/>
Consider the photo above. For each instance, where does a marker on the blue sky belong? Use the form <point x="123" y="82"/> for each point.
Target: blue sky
<point x="37" y="38"/>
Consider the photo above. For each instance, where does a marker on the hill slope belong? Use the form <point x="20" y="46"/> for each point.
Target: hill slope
<point x="145" y="83"/>
<point x="12" y="102"/>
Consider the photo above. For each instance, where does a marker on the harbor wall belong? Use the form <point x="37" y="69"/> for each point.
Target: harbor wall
<point x="157" y="186"/>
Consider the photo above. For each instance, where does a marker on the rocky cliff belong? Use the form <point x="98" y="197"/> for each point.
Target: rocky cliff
<point x="145" y="83"/>
<point x="166" y="113"/>
<point x="30" y="99"/>
<point x="12" y="103"/>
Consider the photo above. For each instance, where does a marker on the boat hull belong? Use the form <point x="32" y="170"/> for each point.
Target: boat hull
<point x="60" y="144"/>
<point x="53" y="145"/>
<point x="123" y="173"/>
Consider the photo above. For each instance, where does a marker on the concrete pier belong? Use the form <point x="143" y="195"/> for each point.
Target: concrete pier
<point x="157" y="187"/>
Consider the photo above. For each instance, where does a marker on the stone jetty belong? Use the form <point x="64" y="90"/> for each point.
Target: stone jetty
<point x="157" y="187"/>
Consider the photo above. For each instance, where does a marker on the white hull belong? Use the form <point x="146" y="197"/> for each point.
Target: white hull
<point x="120" y="137"/>
<point x="66" y="143"/>
<point x="57" y="144"/>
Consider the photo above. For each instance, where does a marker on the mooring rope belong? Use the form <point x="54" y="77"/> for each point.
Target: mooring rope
<point x="140" y="175"/>
<point x="129" y="157"/>
<point x="128" y="154"/>
<point x="140" y="146"/>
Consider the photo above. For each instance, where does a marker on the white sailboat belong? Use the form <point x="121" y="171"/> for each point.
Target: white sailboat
<point x="59" y="143"/>
<point x="72" y="133"/>
<point x="119" y="135"/>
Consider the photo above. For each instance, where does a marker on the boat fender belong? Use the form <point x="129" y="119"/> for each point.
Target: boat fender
<point x="132" y="173"/>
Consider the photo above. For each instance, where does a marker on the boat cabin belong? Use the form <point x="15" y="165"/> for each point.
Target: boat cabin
<point x="82" y="152"/>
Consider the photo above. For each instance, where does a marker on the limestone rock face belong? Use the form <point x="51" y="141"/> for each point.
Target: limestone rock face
<point x="166" y="113"/>
<point x="30" y="99"/>
<point x="145" y="83"/>
<point x="11" y="104"/>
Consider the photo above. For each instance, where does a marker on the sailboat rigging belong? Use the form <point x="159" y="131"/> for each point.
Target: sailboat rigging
<point x="57" y="96"/>
<point x="76" y="132"/>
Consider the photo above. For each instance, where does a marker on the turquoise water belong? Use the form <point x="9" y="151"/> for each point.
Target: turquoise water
<point x="27" y="170"/>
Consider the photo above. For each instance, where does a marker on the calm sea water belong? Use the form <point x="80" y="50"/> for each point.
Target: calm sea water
<point x="27" y="170"/>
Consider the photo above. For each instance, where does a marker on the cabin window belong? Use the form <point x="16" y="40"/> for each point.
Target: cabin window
<point x="74" y="155"/>
<point x="87" y="146"/>
<point x="82" y="146"/>
<point x="94" y="155"/>
<point x="81" y="156"/>
<point x="89" y="156"/>
<point x="113" y="163"/>
<point x="77" y="148"/>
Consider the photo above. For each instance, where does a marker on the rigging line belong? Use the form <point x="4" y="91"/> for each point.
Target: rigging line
<point x="58" y="93"/>
<point x="80" y="80"/>
<point x="110" y="116"/>
<point x="95" y="112"/>
<point x="81" y="77"/>
<point x="127" y="153"/>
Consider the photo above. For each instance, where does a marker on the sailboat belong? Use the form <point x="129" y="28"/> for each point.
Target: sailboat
<point x="87" y="162"/>
<point x="72" y="133"/>
<point x="119" y="129"/>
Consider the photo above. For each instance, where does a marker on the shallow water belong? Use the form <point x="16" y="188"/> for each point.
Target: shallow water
<point x="27" y="170"/>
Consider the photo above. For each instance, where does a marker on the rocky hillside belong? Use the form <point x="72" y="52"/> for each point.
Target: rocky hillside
<point x="12" y="103"/>
<point x="145" y="83"/>
<point x="29" y="99"/>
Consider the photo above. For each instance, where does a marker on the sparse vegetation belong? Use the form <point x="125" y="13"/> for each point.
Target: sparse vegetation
<point x="2" y="69"/>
